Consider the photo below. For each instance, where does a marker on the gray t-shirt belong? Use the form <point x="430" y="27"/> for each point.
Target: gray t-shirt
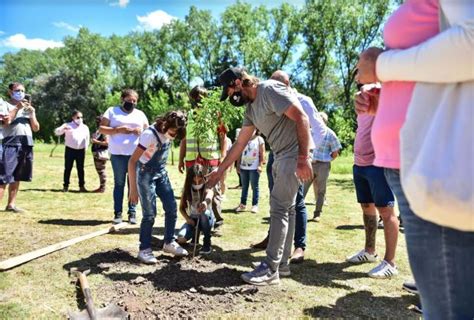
<point x="267" y="114"/>
<point x="19" y="131"/>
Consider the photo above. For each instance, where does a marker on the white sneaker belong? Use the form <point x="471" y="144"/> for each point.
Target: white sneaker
<point x="361" y="257"/>
<point x="175" y="249"/>
<point x="254" y="209"/>
<point x="383" y="270"/>
<point x="146" y="256"/>
<point x="241" y="208"/>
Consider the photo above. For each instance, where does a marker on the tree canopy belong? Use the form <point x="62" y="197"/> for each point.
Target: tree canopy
<point x="318" y="45"/>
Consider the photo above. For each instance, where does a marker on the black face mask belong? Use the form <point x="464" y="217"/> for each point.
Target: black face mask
<point x="128" y="106"/>
<point x="237" y="100"/>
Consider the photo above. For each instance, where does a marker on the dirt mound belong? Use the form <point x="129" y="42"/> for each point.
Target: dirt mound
<point x="173" y="288"/>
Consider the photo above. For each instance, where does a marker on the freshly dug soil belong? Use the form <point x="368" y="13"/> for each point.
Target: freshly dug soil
<point x="173" y="288"/>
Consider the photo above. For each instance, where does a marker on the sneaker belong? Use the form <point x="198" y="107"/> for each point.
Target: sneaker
<point x="417" y="308"/>
<point x="146" y="256"/>
<point x="361" y="257"/>
<point x="283" y="269"/>
<point x="316" y="216"/>
<point x="175" y="249"/>
<point x="14" y="209"/>
<point x="241" y="208"/>
<point x="261" y="276"/>
<point x="83" y="189"/>
<point x="99" y="190"/>
<point x="317" y="219"/>
<point x="65" y="189"/>
<point x="117" y="218"/>
<point x="410" y="286"/>
<point x="132" y="218"/>
<point x="262" y="245"/>
<point x="205" y="250"/>
<point x="380" y="223"/>
<point x="254" y="209"/>
<point x="383" y="270"/>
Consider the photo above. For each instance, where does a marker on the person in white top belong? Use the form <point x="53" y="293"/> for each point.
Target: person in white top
<point x="123" y="124"/>
<point x="76" y="139"/>
<point x="251" y="162"/>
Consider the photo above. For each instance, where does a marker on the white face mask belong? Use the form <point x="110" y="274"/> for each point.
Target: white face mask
<point x="78" y="121"/>
<point x="198" y="186"/>
<point x="18" y="95"/>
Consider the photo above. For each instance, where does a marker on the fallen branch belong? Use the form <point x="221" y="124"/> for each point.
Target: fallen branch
<point x="16" y="261"/>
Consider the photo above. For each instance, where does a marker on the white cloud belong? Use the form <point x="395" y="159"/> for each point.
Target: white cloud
<point x="154" y="20"/>
<point x="120" y="3"/>
<point x="20" y="41"/>
<point x="67" y="26"/>
<point x="2" y="32"/>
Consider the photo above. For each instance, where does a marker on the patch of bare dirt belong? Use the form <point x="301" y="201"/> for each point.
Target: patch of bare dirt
<point x="173" y="288"/>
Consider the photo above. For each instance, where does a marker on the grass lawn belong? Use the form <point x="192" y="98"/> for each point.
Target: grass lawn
<point x="323" y="286"/>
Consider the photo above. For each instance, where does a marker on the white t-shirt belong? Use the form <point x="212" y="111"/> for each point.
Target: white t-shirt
<point x="250" y="157"/>
<point x="122" y="143"/>
<point x="148" y="142"/>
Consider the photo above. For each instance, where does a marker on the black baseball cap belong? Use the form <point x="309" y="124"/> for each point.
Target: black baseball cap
<point x="227" y="79"/>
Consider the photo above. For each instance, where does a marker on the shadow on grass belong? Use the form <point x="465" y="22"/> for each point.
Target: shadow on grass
<point x="325" y="274"/>
<point x="344" y="184"/>
<point x="72" y="222"/>
<point x="350" y="227"/>
<point x="363" y="304"/>
<point x="42" y="190"/>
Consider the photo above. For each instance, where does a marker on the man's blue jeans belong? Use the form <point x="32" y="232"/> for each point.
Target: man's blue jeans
<point x="120" y="169"/>
<point x="441" y="259"/>
<point x="249" y="177"/>
<point x="150" y="185"/>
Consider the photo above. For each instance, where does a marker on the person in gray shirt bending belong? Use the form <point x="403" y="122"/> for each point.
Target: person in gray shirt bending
<point x="277" y="113"/>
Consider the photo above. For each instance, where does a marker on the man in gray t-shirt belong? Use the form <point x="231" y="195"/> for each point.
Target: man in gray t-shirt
<point x="277" y="113"/>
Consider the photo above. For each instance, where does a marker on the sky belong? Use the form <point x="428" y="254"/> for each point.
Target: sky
<point x="41" y="24"/>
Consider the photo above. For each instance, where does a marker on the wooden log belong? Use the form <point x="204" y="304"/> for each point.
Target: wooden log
<point x="16" y="261"/>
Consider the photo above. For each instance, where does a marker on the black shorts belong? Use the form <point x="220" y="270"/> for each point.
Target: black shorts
<point x="372" y="187"/>
<point x="17" y="163"/>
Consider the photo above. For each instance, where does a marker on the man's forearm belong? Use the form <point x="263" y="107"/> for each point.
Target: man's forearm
<point x="233" y="154"/>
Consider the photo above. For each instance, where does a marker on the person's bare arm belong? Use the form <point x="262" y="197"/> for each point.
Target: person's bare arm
<point x="182" y="154"/>
<point x="132" y="176"/>
<point x="245" y="134"/>
<point x="304" y="170"/>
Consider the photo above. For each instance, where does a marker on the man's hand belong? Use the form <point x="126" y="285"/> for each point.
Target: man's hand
<point x="181" y="166"/>
<point x="213" y="178"/>
<point x="304" y="170"/>
<point x="367" y="99"/>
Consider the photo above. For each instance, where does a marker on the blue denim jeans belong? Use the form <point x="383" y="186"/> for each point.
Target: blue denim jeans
<point x="206" y="222"/>
<point x="300" y="219"/>
<point x="249" y="177"/>
<point x="120" y="169"/>
<point x="150" y="185"/>
<point x="441" y="260"/>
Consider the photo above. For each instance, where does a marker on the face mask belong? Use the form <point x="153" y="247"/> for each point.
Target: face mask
<point x="198" y="186"/>
<point x="236" y="99"/>
<point x="18" y="95"/>
<point x="169" y="137"/>
<point x="78" y="121"/>
<point x="128" y="106"/>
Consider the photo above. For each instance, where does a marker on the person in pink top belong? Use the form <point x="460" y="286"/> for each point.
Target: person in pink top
<point x="373" y="194"/>
<point x="429" y="47"/>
